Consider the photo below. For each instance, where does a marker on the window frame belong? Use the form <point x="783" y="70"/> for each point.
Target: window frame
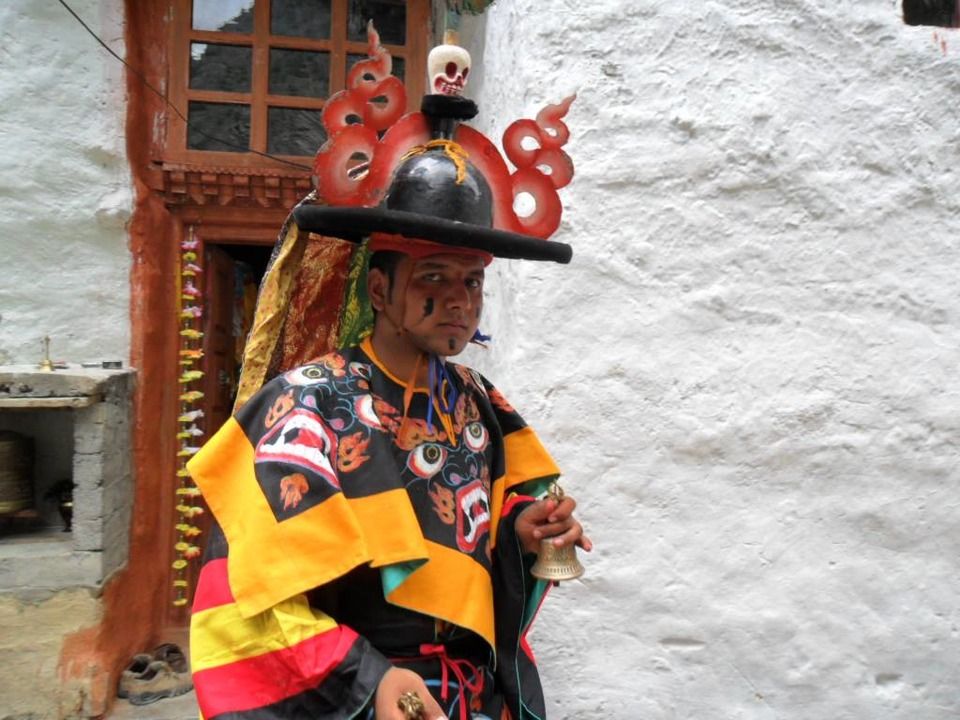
<point x="258" y="99"/>
<point x="923" y="13"/>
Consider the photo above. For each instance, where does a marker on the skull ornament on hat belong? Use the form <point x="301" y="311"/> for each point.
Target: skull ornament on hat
<point x="448" y="67"/>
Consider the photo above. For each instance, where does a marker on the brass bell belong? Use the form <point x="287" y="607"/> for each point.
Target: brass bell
<point x="555" y="563"/>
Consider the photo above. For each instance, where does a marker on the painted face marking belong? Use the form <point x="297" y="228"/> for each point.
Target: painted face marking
<point x="428" y="307"/>
<point x="452" y="344"/>
<point x="476" y="313"/>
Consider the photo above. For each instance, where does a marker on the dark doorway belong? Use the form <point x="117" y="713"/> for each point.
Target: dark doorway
<point x="233" y="275"/>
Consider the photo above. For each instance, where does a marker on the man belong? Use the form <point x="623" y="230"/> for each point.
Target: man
<point x="437" y="311"/>
<point x="376" y="511"/>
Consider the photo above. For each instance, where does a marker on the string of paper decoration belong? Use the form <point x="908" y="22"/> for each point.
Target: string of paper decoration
<point x="188" y="499"/>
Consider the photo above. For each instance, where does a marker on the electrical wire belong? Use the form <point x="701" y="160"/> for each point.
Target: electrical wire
<point x="169" y="104"/>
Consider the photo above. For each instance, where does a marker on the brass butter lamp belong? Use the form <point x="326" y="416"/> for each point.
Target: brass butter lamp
<point x="46" y="365"/>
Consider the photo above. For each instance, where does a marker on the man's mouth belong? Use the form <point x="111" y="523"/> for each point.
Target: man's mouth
<point x="460" y="327"/>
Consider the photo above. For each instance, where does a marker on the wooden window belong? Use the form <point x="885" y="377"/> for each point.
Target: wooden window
<point x="937" y="13"/>
<point x="252" y="76"/>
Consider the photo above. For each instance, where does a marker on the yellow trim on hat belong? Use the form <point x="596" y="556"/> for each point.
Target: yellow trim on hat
<point x="453" y="150"/>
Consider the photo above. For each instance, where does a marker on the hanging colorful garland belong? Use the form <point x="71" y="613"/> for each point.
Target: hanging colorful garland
<point x="189" y="434"/>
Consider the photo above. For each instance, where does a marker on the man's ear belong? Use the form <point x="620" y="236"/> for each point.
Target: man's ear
<point x="378" y="288"/>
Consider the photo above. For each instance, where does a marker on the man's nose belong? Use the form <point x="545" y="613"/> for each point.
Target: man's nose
<point x="458" y="297"/>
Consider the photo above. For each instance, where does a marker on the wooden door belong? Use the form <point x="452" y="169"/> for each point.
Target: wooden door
<point x="219" y="353"/>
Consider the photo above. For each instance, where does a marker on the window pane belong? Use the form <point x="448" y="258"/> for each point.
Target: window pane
<point x="300" y="18"/>
<point x="299" y="72"/>
<point x="398" y="64"/>
<point x="389" y="17"/>
<point x="220" y="67"/>
<point x="218" y="126"/>
<point x="230" y="16"/>
<point x="294" y="132"/>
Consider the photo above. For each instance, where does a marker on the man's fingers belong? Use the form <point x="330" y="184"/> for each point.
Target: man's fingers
<point x="563" y="510"/>
<point x="563" y="533"/>
<point x="552" y="529"/>
<point x="585" y="542"/>
<point x="548" y="518"/>
<point x="395" y="683"/>
<point x="432" y="711"/>
<point x="549" y="510"/>
<point x="537" y="512"/>
<point x="569" y="536"/>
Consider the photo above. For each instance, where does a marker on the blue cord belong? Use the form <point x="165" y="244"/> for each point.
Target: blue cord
<point x="437" y="376"/>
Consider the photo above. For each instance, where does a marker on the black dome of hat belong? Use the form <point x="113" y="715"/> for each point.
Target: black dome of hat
<point x="435" y="194"/>
<point x="431" y="183"/>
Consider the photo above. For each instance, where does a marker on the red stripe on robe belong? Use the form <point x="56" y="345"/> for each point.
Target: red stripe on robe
<point x="272" y="677"/>
<point x="213" y="587"/>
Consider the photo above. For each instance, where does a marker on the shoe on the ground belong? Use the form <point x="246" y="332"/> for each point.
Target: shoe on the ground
<point x="173" y="656"/>
<point x="158" y="681"/>
<point x="133" y="671"/>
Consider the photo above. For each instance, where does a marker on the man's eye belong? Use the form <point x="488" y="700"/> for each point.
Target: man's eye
<point x="474" y="283"/>
<point x="431" y="277"/>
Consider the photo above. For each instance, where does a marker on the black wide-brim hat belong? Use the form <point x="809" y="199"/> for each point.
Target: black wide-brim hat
<point x="436" y="194"/>
<point x="354" y="224"/>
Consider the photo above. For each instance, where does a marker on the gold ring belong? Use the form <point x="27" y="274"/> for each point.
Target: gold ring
<point x="411" y="705"/>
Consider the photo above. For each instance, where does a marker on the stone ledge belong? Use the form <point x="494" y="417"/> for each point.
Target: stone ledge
<point x="28" y="381"/>
<point x="33" y="403"/>
<point x="47" y="564"/>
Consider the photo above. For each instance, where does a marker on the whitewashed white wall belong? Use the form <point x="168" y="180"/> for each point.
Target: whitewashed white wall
<point x="65" y="187"/>
<point x="750" y="372"/>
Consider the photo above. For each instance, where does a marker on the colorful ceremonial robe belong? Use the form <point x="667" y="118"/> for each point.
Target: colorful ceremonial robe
<point x="336" y="473"/>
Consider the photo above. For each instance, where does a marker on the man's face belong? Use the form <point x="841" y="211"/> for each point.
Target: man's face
<point x="440" y="298"/>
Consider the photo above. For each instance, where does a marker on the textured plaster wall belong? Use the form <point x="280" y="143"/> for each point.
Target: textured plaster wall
<point x="30" y="684"/>
<point x="65" y="192"/>
<point x="750" y="370"/>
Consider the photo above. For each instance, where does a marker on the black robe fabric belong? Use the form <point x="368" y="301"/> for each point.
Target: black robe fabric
<point x="358" y="526"/>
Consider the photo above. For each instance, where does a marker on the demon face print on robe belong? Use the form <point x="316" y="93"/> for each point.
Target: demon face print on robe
<point x="358" y="528"/>
<point x="336" y="425"/>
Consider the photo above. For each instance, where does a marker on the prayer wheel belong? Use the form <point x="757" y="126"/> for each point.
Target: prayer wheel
<point x="16" y="471"/>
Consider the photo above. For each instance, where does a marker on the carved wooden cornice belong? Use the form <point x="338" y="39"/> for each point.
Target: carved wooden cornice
<point x="199" y="186"/>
